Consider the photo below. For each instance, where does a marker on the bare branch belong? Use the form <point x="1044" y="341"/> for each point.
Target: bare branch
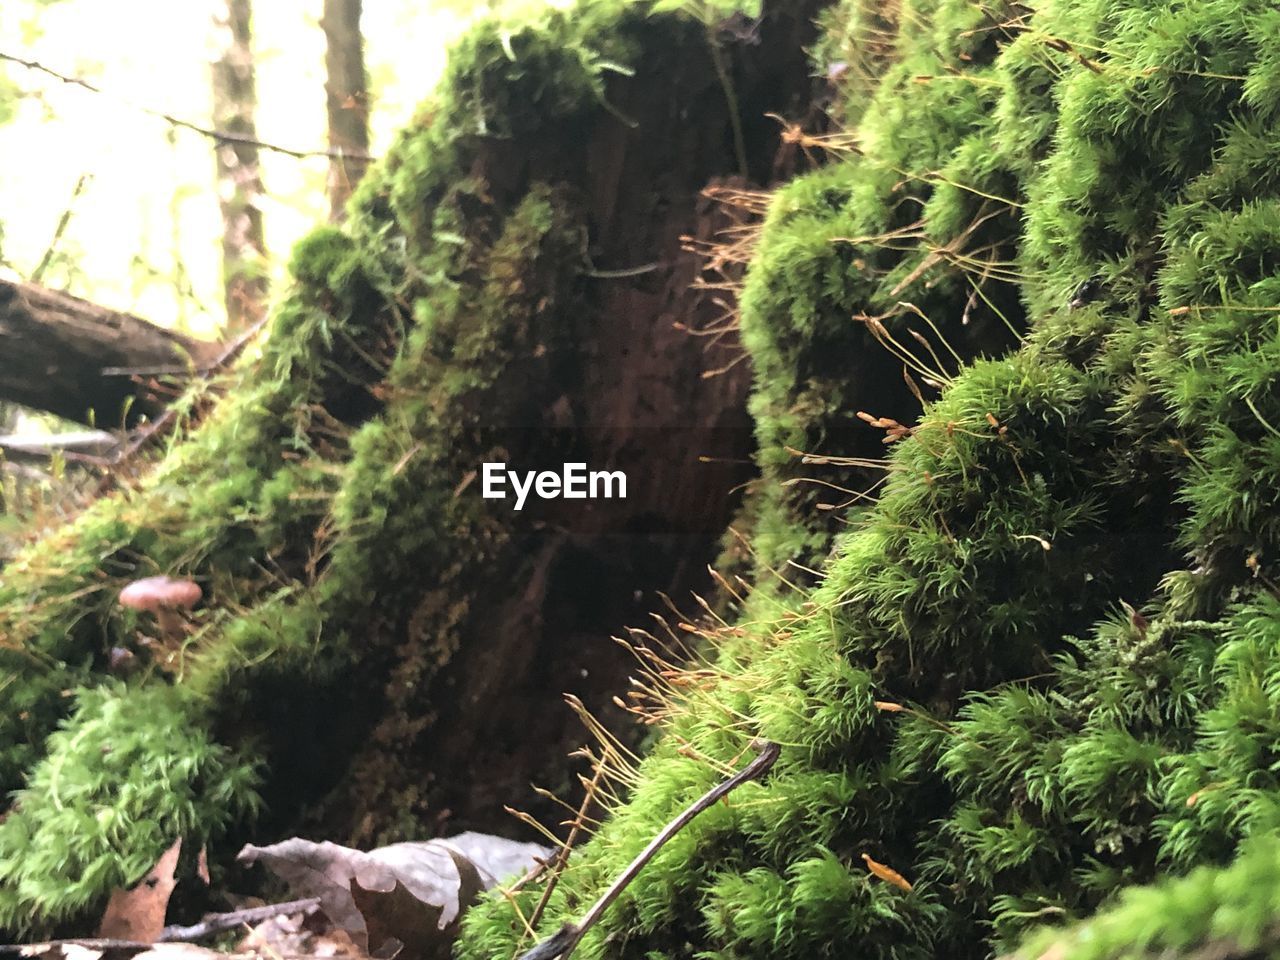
<point x="216" y="923"/>
<point x="221" y="136"/>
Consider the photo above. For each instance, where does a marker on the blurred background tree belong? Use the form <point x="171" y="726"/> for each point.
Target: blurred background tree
<point x="235" y="100"/>
<point x="346" y="100"/>
<point x="146" y="230"/>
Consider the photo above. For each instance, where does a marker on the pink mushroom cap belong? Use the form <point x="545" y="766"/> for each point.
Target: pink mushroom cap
<point x="161" y="593"/>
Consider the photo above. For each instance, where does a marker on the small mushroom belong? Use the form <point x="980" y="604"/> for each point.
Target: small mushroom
<point x="166" y="598"/>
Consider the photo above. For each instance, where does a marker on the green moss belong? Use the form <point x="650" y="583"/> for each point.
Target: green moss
<point x="1055" y="745"/>
<point x="1224" y="912"/>
<point x="861" y="240"/>
<point x="1040" y="669"/>
<point x="127" y="774"/>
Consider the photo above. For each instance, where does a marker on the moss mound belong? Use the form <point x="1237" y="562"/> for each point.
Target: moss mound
<point x="1042" y="666"/>
<point x="1210" y="913"/>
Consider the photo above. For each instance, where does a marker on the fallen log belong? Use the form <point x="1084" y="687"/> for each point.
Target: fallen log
<point x="85" y="362"/>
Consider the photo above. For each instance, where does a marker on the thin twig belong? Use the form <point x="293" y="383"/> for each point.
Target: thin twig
<point x="231" y="352"/>
<point x="216" y="923"/>
<point x="563" y="942"/>
<point x="623" y="273"/>
<point x="562" y="856"/>
<point x="221" y="136"/>
<point x="212" y="924"/>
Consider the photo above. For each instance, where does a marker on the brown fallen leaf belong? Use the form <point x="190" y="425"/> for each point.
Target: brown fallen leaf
<point x="887" y="874"/>
<point x="398" y="922"/>
<point x="138" y="913"/>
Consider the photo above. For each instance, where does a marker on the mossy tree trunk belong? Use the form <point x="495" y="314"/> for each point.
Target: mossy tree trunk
<point x="627" y="387"/>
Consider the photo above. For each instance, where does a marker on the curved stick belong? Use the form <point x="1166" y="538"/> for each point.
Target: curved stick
<point x="562" y="943"/>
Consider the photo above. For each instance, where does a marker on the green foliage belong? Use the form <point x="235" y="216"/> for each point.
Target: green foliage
<point x="29" y="28"/>
<point x="1042" y="667"/>
<point x="1209" y="913"/>
<point x="127" y="774"/>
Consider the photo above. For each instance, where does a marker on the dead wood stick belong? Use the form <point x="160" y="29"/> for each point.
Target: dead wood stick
<point x="218" y="922"/>
<point x="563" y="942"/>
<point x="30" y="448"/>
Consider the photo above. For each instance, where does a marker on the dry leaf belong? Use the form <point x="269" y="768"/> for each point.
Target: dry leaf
<point x="378" y="897"/>
<point x="497" y="858"/>
<point x="298" y="936"/>
<point x="887" y="874"/>
<point x="138" y="914"/>
<point x="418" y="928"/>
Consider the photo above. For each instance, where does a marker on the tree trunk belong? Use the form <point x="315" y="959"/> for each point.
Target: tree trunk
<point x="347" y="100"/>
<point x="84" y="362"/>
<point x="239" y="177"/>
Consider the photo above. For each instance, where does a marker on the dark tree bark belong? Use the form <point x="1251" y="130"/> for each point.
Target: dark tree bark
<point x="239" y="176"/>
<point x="84" y="362"/>
<point x="347" y="100"/>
